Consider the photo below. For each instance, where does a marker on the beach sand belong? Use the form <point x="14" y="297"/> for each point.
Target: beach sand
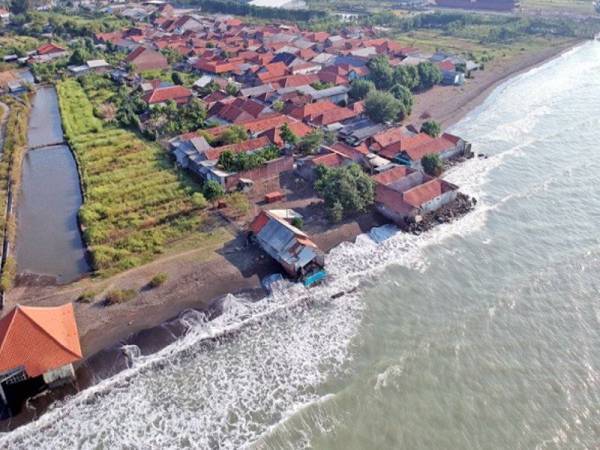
<point x="197" y="277"/>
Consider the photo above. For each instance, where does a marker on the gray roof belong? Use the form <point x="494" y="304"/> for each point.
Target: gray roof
<point x="280" y="240"/>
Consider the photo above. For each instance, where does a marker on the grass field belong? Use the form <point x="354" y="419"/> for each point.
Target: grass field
<point x="136" y="204"/>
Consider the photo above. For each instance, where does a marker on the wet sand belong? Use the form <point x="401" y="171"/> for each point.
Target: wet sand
<point x="449" y="104"/>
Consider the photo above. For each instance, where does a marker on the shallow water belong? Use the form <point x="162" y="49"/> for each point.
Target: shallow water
<point x="481" y="334"/>
<point x="48" y="237"/>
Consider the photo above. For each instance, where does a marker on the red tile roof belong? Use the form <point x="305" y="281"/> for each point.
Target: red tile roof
<point x="49" y="48"/>
<point x="265" y="123"/>
<point x="392" y="175"/>
<point x="334" y="115"/>
<point x="179" y="94"/>
<point x="271" y="71"/>
<point x="433" y="146"/>
<point x="423" y="193"/>
<point x="309" y="110"/>
<point x="407" y="144"/>
<point x="246" y="146"/>
<point x="259" y="222"/>
<point x="40" y="339"/>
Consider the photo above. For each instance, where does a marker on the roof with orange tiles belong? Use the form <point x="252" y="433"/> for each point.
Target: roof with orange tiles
<point x="389" y="136"/>
<point x="48" y="48"/>
<point x="265" y="123"/>
<point x="392" y="175"/>
<point x="334" y="115"/>
<point x="309" y="110"/>
<point x="242" y="147"/>
<point x="423" y="193"/>
<point x="433" y="146"/>
<point x="329" y="160"/>
<point x="179" y="94"/>
<point x="270" y="71"/>
<point x="300" y="129"/>
<point x="406" y="144"/>
<point x="40" y="339"/>
<point x="352" y="152"/>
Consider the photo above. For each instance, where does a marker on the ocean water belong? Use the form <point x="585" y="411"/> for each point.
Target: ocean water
<point x="481" y="334"/>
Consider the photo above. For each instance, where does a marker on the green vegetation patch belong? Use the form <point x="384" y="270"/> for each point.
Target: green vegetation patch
<point x="135" y="202"/>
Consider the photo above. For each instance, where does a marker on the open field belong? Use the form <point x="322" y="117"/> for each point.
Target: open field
<point x="136" y="205"/>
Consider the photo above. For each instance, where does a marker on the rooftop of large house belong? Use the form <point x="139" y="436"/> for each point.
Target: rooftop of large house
<point x="39" y="339"/>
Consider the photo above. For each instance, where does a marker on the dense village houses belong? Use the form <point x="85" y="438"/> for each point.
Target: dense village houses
<point x="38" y="347"/>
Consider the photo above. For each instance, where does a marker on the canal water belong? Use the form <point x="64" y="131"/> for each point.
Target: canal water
<point x="48" y="237"/>
<point x="480" y="334"/>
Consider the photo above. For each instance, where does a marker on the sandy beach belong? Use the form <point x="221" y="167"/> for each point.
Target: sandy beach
<point x="448" y="105"/>
<point x="197" y="277"/>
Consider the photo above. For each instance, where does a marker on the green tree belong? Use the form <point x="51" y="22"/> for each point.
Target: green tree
<point x="405" y="97"/>
<point x="380" y="72"/>
<point x="233" y="135"/>
<point x="78" y="57"/>
<point x="429" y="75"/>
<point x="232" y="89"/>
<point x="383" y="107"/>
<point x="432" y="164"/>
<point x="20" y="6"/>
<point x="407" y="76"/>
<point x="213" y="190"/>
<point x="360" y="89"/>
<point x="288" y="135"/>
<point x="310" y="143"/>
<point x="278" y="105"/>
<point x="347" y="187"/>
<point x="432" y="128"/>
<point x="177" y="78"/>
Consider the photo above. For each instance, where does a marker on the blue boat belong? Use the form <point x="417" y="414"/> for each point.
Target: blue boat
<point x="315" y="278"/>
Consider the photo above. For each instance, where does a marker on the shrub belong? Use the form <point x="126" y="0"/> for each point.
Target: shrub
<point x="432" y="128"/>
<point x="213" y="190"/>
<point x="239" y="203"/>
<point x="8" y="274"/>
<point x="117" y="296"/>
<point x="432" y="165"/>
<point x="86" y="296"/>
<point x="199" y="201"/>
<point x="158" y="280"/>
<point x="298" y="222"/>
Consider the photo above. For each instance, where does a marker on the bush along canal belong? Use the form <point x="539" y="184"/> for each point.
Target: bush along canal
<point x="49" y="247"/>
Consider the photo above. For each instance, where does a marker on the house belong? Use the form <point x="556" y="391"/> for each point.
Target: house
<point x="403" y="194"/>
<point x="306" y="167"/>
<point x="47" y="52"/>
<point x="179" y="94"/>
<point x="38" y="347"/>
<point x="143" y="58"/>
<point x="187" y="153"/>
<point x="299" y="129"/>
<point x="97" y="66"/>
<point x="447" y="146"/>
<point x="286" y="244"/>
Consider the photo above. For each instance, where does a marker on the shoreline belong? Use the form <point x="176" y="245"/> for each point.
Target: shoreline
<point x="450" y="104"/>
<point x="199" y="281"/>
